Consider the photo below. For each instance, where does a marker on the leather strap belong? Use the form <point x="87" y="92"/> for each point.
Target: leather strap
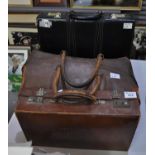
<point x="75" y="96"/>
<point x="56" y="79"/>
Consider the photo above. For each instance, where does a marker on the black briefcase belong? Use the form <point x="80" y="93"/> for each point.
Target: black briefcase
<point x="52" y="31"/>
<point x="86" y="34"/>
<point x="118" y="33"/>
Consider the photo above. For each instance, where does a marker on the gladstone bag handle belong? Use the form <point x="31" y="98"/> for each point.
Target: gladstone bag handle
<point x="76" y="95"/>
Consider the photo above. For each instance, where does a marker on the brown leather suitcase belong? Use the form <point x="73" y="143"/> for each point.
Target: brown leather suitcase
<point x="77" y="102"/>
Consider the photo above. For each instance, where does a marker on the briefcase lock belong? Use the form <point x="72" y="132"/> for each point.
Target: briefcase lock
<point x="55" y="15"/>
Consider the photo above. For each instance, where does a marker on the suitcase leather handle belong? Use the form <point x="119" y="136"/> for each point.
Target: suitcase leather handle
<point x="86" y="83"/>
<point x="78" y="16"/>
<point x="74" y="96"/>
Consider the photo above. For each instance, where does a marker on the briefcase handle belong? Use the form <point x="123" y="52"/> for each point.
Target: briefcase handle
<point x="80" y="16"/>
<point x="89" y="81"/>
<point x="74" y="96"/>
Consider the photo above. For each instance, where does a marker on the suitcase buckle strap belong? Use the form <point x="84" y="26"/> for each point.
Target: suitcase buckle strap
<point x="41" y="92"/>
<point x="116" y="94"/>
<point x="39" y="96"/>
<point x="121" y="104"/>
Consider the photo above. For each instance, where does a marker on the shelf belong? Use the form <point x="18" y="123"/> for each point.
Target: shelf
<point x="138" y="16"/>
<point x="35" y="9"/>
<point x="50" y="9"/>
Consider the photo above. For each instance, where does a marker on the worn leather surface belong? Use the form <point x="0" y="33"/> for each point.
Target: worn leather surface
<point x="94" y="126"/>
<point x="41" y="66"/>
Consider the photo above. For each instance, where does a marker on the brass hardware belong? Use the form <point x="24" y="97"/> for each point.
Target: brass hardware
<point x="41" y="92"/>
<point x="100" y="101"/>
<point x="121" y="104"/>
<point x="116" y="103"/>
<point x="116" y="95"/>
<point x="115" y="16"/>
<point x="30" y="100"/>
<point x="55" y="15"/>
<point x="38" y="98"/>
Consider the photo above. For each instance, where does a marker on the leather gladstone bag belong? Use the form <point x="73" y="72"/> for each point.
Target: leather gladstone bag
<point x="78" y="103"/>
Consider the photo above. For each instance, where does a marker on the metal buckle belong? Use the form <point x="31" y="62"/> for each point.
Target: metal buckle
<point x="116" y="94"/>
<point x="121" y="104"/>
<point x="100" y="101"/>
<point x="40" y="92"/>
<point x="39" y="96"/>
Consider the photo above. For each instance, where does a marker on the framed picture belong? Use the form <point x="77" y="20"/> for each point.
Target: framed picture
<point x="50" y="2"/>
<point x="16" y="60"/>
<point x="23" y="37"/>
<point x="107" y="4"/>
<point x="20" y="3"/>
<point x="139" y="42"/>
<point x="22" y="18"/>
